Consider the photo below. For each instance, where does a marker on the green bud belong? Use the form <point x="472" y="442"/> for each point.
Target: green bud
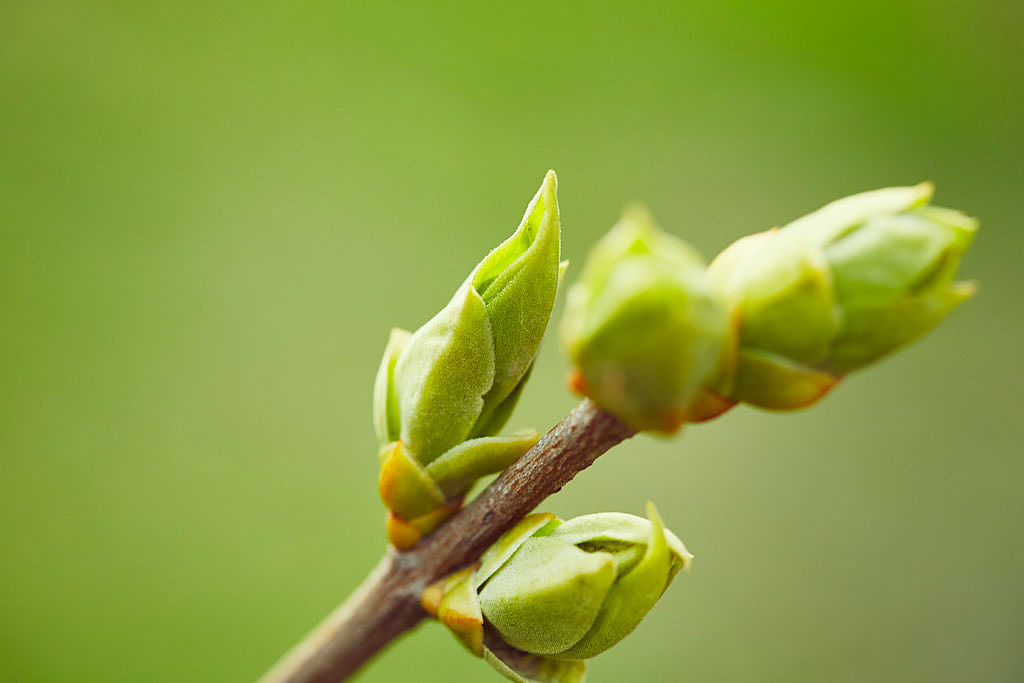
<point x="444" y="391"/>
<point x="641" y="326"/>
<point x="518" y="282"/>
<point x="550" y="594"/>
<point x="837" y="290"/>
<point x="442" y="375"/>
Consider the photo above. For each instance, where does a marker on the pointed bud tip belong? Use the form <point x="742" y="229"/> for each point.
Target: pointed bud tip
<point x="658" y="526"/>
<point x="966" y="289"/>
<point x="652" y="513"/>
<point x="637" y="212"/>
<point x="966" y="226"/>
<point x="563" y="266"/>
<point x="926" y="189"/>
<point x="637" y="221"/>
<point x="550" y="179"/>
<point x="549" y="192"/>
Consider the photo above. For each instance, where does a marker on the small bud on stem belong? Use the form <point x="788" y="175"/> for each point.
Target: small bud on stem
<point x="444" y="392"/>
<point x="550" y="594"/>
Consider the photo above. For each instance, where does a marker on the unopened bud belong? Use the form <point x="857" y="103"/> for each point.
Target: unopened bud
<point x="837" y="290"/>
<point x="550" y="594"/>
<point x="444" y="391"/>
<point x="641" y="326"/>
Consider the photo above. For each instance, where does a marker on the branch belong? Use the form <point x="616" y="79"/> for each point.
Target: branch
<point x="387" y="603"/>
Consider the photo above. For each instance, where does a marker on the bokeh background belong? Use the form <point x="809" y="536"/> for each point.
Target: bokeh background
<point x="212" y="213"/>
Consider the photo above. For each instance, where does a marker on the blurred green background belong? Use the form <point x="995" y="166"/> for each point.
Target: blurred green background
<point x="212" y="213"/>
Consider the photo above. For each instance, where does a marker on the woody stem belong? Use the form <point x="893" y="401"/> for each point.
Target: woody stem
<point x="386" y="604"/>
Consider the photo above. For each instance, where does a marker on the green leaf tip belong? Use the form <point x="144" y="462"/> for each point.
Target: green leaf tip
<point x="446" y="390"/>
<point x="518" y="282"/>
<point x="553" y="593"/>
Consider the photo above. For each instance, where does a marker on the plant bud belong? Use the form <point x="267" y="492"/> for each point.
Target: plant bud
<point x="837" y="290"/>
<point x="443" y="392"/>
<point x="642" y="328"/>
<point x="550" y="594"/>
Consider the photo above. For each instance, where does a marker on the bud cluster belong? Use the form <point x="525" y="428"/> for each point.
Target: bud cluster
<point x="776" y="320"/>
<point x="658" y="339"/>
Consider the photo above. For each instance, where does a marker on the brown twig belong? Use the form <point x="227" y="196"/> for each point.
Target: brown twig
<point x="387" y="603"/>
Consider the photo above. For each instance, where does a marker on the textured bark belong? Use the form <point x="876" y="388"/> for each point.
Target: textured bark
<point x="387" y="603"/>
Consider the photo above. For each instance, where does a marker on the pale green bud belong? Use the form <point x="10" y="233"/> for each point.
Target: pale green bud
<point x="837" y="290"/>
<point x="641" y="326"/>
<point x="518" y="282"/>
<point x="550" y="594"/>
<point x="444" y="391"/>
